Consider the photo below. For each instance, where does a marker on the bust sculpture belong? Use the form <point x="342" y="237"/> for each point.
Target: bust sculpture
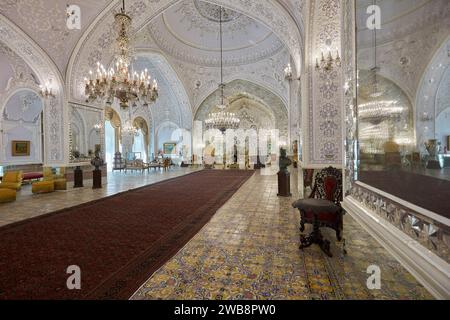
<point x="284" y="160"/>
<point x="97" y="162"/>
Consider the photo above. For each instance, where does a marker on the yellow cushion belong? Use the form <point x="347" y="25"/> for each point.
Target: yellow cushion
<point x="60" y="184"/>
<point x="11" y="185"/>
<point x="12" y="176"/>
<point x="7" y="195"/>
<point x="43" y="187"/>
<point x="48" y="174"/>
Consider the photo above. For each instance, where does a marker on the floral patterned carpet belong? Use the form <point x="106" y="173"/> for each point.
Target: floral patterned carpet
<point x="249" y="250"/>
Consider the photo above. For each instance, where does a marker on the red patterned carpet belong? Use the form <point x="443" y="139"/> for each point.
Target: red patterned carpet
<point x="118" y="242"/>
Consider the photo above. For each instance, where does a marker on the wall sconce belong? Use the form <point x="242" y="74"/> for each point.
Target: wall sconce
<point x="426" y="117"/>
<point x="288" y="74"/>
<point x="98" y="127"/>
<point x="327" y="64"/>
<point x="46" y="90"/>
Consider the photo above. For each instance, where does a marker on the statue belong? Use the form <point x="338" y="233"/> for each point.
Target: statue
<point x="97" y="162"/>
<point x="284" y="160"/>
<point x="284" y="177"/>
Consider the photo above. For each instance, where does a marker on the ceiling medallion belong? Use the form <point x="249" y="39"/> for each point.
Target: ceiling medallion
<point x="212" y="12"/>
<point x="122" y="82"/>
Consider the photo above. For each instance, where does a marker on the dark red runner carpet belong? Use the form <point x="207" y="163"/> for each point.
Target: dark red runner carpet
<point x="118" y="242"/>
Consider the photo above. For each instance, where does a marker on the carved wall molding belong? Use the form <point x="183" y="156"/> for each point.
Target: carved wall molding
<point x="324" y="105"/>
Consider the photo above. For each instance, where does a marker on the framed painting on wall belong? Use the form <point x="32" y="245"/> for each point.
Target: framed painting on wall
<point x="20" y="148"/>
<point x="170" y="148"/>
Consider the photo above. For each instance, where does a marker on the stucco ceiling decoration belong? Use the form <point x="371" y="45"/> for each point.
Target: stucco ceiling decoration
<point x="93" y="46"/>
<point x="189" y="31"/>
<point x="409" y="37"/>
<point x="212" y="12"/>
<point x="45" y="22"/>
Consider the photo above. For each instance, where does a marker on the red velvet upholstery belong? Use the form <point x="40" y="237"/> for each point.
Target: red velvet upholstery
<point x="328" y="185"/>
<point x="32" y="175"/>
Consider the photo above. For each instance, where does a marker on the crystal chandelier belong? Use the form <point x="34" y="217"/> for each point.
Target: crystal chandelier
<point x="222" y="120"/>
<point x="129" y="129"/>
<point x="121" y="83"/>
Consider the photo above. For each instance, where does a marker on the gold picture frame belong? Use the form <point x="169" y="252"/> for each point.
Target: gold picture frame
<point x="170" y="148"/>
<point x="20" y="148"/>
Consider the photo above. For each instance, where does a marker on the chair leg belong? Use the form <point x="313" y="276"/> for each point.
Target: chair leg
<point x="339" y="235"/>
<point x="302" y="226"/>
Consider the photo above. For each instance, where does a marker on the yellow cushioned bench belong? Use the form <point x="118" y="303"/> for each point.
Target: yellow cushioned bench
<point x="12" y="180"/>
<point x="43" y="187"/>
<point x="59" y="180"/>
<point x="7" y="195"/>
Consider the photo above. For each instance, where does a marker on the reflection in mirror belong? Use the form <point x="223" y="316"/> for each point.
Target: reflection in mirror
<point x="404" y="100"/>
<point x="85" y="133"/>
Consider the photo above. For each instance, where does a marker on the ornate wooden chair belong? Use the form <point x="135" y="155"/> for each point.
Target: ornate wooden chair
<point x="322" y="209"/>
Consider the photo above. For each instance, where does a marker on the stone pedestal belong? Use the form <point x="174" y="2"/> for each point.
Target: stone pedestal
<point x="78" y="177"/>
<point x="434" y="164"/>
<point x="284" y="184"/>
<point x="97" y="179"/>
<point x="258" y="164"/>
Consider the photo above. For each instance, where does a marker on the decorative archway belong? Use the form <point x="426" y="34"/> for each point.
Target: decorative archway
<point x="238" y="90"/>
<point x="20" y="119"/>
<point x="56" y="144"/>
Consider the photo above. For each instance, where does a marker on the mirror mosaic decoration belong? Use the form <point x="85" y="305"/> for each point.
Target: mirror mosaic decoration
<point x="383" y="118"/>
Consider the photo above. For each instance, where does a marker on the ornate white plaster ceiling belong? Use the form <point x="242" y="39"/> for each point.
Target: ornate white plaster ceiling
<point x="400" y="18"/>
<point x="172" y="104"/>
<point x="189" y="31"/>
<point x="45" y="22"/>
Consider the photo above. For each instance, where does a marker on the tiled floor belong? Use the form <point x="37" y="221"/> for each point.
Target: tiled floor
<point x="249" y="250"/>
<point x="29" y="205"/>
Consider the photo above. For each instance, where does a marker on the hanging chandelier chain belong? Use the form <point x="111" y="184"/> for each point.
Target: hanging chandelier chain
<point x="221" y="55"/>
<point x="222" y="120"/>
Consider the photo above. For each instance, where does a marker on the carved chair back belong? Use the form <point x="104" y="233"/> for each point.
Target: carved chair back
<point x="328" y="185"/>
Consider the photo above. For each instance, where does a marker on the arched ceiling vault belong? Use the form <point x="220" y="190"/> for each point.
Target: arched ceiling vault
<point x="95" y="42"/>
<point x="173" y="103"/>
<point x="241" y="89"/>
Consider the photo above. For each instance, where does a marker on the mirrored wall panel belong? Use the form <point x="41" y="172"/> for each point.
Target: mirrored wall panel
<point x="403" y="72"/>
<point x="86" y="133"/>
